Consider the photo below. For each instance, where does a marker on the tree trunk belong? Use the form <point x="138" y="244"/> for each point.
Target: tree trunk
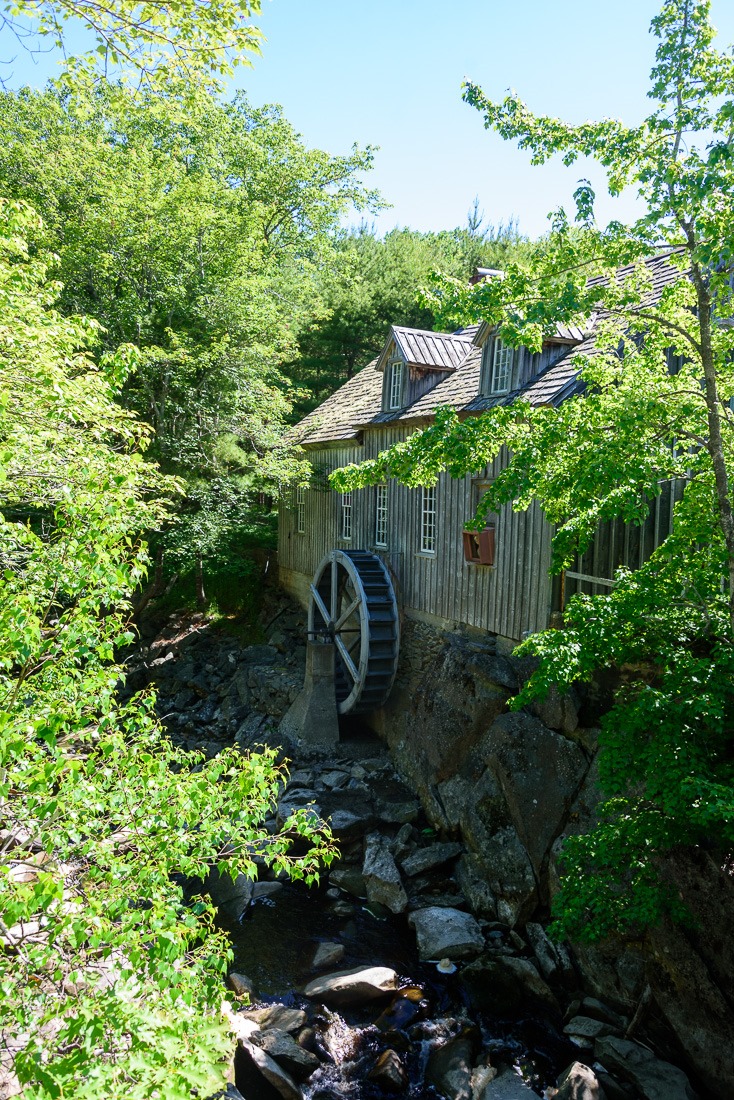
<point x="154" y="589"/>
<point x="200" y="593"/>
<point x="715" y="439"/>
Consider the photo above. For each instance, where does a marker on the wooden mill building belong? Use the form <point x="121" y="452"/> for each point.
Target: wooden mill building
<point x="497" y="580"/>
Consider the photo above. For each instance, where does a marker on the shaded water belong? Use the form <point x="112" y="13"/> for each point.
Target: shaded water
<point x="274" y="945"/>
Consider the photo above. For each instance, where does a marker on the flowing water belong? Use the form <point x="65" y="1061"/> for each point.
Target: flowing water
<point x="274" y="944"/>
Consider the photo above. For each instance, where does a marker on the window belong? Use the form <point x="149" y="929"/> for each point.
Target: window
<point x="346" y="515"/>
<point x="301" y="509"/>
<point x="428" y="519"/>
<point x="394" y="384"/>
<point x="381" y="516"/>
<point x="501" y="376"/>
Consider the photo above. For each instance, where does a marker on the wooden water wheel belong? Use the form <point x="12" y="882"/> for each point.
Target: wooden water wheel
<point x="353" y="605"/>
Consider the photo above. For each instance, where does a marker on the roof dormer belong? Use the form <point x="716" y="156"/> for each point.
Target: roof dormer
<point x="506" y="369"/>
<point x="414" y="361"/>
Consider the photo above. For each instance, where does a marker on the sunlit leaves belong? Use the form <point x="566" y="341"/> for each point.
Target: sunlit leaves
<point x="110" y="965"/>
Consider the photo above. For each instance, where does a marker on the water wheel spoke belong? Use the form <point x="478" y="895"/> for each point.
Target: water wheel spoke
<point x="346" y="658"/>
<point x="346" y="615"/>
<point x="320" y="605"/>
<point x="334" y="591"/>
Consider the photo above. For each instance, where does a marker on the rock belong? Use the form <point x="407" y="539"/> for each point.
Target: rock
<point x="590" y="1006"/>
<point x="508" y="1086"/>
<point x="482" y="1076"/>
<point x="381" y="876"/>
<point x="349" y="987"/>
<point x="266" y="889"/>
<point x="427" y="858"/>
<point x="328" y="954"/>
<point x="389" y="1072"/>
<point x="449" y="1067"/>
<point x="291" y="1057"/>
<point x="349" y="879"/>
<point x="503" y="985"/>
<point x="239" y="984"/>
<point x="473" y="884"/>
<point x="588" y="1029"/>
<point x="544" y="949"/>
<point x="446" y="933"/>
<point x="270" y="1070"/>
<point x="402" y="843"/>
<point x="558" y="712"/>
<point x="231" y="897"/>
<point x="248" y="731"/>
<point x="259" y="655"/>
<point x="578" y="1082"/>
<point x="537" y="774"/>
<point x="276" y="1016"/>
<point x="398" y="811"/>
<point x="655" y="1079"/>
<point x="350" y="823"/>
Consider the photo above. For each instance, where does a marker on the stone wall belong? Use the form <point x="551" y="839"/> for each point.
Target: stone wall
<point x="511" y="786"/>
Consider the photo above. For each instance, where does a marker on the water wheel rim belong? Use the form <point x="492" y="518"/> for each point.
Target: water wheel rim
<point x="362" y="680"/>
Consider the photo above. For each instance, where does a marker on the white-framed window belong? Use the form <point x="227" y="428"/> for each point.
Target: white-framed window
<point x="501" y="374"/>
<point x="428" y="519"/>
<point x="381" y="515"/>
<point x="301" y="509"/>
<point x="394" y="385"/>
<point x="346" y="515"/>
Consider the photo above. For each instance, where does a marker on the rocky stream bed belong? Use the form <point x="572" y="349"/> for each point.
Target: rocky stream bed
<point x="380" y="982"/>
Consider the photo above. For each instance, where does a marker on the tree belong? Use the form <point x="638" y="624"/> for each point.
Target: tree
<point x="196" y="230"/>
<point x="373" y="283"/>
<point x="150" y="45"/>
<point x="667" y="744"/>
<point x="111" y="979"/>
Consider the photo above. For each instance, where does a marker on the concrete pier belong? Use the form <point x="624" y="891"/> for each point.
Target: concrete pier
<point x="312" y="718"/>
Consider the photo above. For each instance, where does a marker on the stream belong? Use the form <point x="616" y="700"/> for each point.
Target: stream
<point x="429" y="1023"/>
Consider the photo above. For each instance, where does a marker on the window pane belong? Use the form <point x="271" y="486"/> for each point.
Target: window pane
<point x="501" y="367"/>
<point x="346" y="515"/>
<point x="428" y="520"/>
<point x="300" y="510"/>
<point x="381" y="516"/>
<point x="395" y="385"/>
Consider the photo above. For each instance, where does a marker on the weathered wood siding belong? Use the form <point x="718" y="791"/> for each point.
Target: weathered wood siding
<point x="510" y="598"/>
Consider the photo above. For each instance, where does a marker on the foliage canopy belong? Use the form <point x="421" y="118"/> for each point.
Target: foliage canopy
<point x="110" y="979"/>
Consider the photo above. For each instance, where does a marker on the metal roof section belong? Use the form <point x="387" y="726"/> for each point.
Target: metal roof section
<point x="429" y="350"/>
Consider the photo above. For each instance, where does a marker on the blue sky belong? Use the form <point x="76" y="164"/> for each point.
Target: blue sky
<point x="389" y="73"/>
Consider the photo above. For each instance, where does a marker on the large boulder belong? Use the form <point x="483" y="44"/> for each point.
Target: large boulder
<point x="445" y="933"/>
<point x="653" y="1078"/>
<point x="578" y="1082"/>
<point x="505" y="985"/>
<point x="381" y="876"/>
<point x="449" y="1067"/>
<point x="538" y="773"/>
<point x="353" y="987"/>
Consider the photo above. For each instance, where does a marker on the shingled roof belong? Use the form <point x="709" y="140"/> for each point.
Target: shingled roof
<point x="357" y="405"/>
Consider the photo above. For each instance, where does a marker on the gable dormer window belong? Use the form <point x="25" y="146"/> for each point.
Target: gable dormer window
<point x="394" y="385"/>
<point x="500" y="379"/>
